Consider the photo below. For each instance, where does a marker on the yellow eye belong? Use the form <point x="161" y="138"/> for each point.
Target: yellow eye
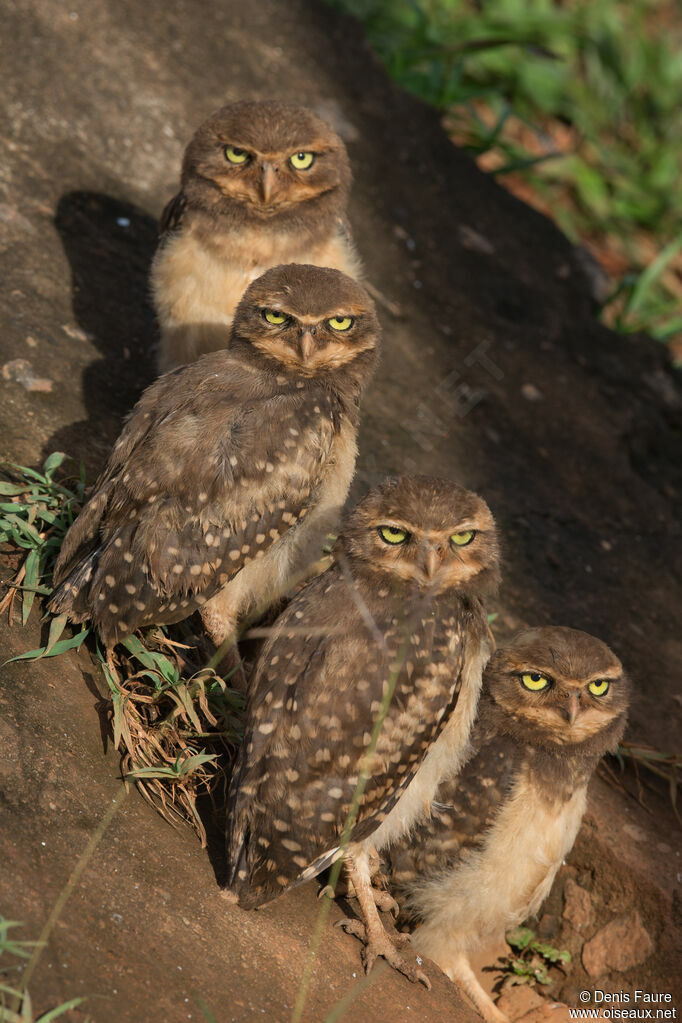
<point x="389" y="534"/>
<point x="340" y="322"/>
<point x="534" y="681"/>
<point x="273" y="316"/>
<point x="462" y="539"/>
<point x="302" y="161"/>
<point x="599" y="687"/>
<point x="233" y="154"/>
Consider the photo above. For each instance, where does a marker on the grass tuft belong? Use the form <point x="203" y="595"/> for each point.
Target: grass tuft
<point x="174" y="732"/>
<point x="36" y="510"/>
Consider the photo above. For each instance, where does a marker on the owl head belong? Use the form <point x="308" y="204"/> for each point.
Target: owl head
<point x="424" y="531"/>
<point x="308" y="320"/>
<point x="559" y="687"/>
<point x="267" y="160"/>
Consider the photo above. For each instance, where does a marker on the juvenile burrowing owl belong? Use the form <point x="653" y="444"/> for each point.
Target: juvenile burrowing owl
<point x="553" y="702"/>
<point x="231" y="471"/>
<point x="363" y="697"/>
<point x="262" y="184"/>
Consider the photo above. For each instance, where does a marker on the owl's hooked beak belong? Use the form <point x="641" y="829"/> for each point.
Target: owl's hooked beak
<point x="268" y="182"/>
<point x="573" y="707"/>
<point x="306" y="344"/>
<point x="431" y="563"/>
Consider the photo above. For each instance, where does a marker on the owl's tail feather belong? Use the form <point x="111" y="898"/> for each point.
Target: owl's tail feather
<point x="72" y="596"/>
<point x="240" y="882"/>
<point x="317" y="866"/>
<point x="83" y="537"/>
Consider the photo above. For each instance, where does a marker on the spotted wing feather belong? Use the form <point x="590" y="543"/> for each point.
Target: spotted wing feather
<point x="460" y="818"/>
<point x="314" y="699"/>
<point x="208" y="473"/>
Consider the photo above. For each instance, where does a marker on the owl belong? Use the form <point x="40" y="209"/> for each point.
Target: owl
<point x="262" y="184"/>
<point x="230" y="471"/>
<point x="363" y="697"/>
<point x="553" y="702"/>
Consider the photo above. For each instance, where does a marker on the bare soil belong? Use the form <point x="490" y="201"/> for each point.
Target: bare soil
<point x="498" y="374"/>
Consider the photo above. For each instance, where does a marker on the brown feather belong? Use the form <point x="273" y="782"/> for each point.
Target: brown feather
<point x="315" y="697"/>
<point x="220" y="232"/>
<point x="217" y="463"/>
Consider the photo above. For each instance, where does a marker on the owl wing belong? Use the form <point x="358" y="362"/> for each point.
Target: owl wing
<point x="299" y="784"/>
<point x="172" y="215"/>
<point x="461" y="815"/>
<point x="204" y="478"/>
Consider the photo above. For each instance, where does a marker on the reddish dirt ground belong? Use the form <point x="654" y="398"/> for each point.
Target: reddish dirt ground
<point x="498" y="374"/>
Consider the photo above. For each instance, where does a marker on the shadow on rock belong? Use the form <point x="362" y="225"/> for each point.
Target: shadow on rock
<point x="109" y="244"/>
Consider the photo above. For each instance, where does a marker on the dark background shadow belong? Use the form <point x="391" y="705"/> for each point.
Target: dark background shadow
<point x="109" y="244"/>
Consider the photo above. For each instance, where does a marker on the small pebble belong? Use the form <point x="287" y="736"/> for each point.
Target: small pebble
<point x="531" y="393"/>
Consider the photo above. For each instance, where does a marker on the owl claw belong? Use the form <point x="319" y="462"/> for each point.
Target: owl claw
<point x="388" y="946"/>
<point x="327" y="892"/>
<point x="385" y="901"/>
<point x="353" y="927"/>
<point x="380" y="943"/>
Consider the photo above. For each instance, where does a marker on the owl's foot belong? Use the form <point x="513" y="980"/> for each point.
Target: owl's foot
<point x="378" y="942"/>
<point x="384" y="901"/>
<point x="220" y="626"/>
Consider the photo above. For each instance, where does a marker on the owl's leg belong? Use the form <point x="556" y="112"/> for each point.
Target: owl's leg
<point x="383" y="899"/>
<point x="459" y="970"/>
<point x="219" y="619"/>
<point x="378" y="942"/>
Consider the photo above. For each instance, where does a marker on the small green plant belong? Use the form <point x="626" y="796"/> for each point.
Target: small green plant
<point x="15" y="1005"/>
<point x="530" y="959"/>
<point x="36" y="509"/>
<point x="164" y="724"/>
<point x="170" y="729"/>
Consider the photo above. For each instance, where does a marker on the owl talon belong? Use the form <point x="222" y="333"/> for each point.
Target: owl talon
<point x="385" y="902"/>
<point x="326" y="892"/>
<point x="354" y="927"/>
<point x="388" y="946"/>
<point x="381" y="943"/>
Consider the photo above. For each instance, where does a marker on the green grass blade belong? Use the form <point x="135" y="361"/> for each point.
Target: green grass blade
<point x="60" y="1010"/>
<point x="649" y="277"/>
<point x="53" y="462"/>
<point x="59" y="648"/>
<point x="57" y="626"/>
<point x="31" y="566"/>
<point x="12" y="489"/>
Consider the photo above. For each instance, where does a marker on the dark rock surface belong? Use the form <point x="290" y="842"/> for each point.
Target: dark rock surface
<point x="498" y="375"/>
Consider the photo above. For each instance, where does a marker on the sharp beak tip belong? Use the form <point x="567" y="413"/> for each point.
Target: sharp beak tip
<point x="573" y="711"/>
<point x="306" y="346"/>
<point x="268" y="181"/>
<point x="431" y="564"/>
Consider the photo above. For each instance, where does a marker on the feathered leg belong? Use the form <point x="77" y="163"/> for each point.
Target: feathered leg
<point x="377" y="941"/>
<point x="459" y="970"/>
<point x="219" y="621"/>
